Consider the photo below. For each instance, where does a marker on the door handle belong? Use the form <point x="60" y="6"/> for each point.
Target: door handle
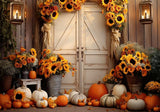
<point x="77" y="53"/>
<point x="82" y="54"/>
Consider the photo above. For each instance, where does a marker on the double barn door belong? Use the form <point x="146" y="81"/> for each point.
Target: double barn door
<point x="82" y="38"/>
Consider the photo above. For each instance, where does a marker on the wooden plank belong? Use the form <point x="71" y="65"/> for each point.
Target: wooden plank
<point x="132" y="20"/>
<point x="140" y="26"/>
<point x="18" y="36"/>
<point x="158" y="40"/>
<point x="28" y="24"/>
<point x="154" y="24"/>
<point x="148" y="35"/>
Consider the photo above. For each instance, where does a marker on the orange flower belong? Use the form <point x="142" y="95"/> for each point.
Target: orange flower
<point x="129" y="52"/>
<point x="119" y="75"/>
<point x="144" y="72"/>
<point x="12" y="57"/>
<point x="132" y="51"/>
<point x="131" y="69"/>
<point x="117" y="68"/>
<point x="24" y="62"/>
<point x="20" y="65"/>
<point x="32" y="59"/>
<point x="41" y="71"/>
<point x="47" y="73"/>
<point x="22" y="49"/>
<point x="29" y="60"/>
<point x="138" y="68"/>
<point x="16" y="65"/>
<point x="41" y="5"/>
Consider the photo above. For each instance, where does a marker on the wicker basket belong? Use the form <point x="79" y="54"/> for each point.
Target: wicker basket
<point x="134" y="83"/>
<point x="54" y="85"/>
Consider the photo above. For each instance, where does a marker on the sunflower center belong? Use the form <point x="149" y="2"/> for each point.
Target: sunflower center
<point x="110" y="21"/>
<point x="18" y="96"/>
<point x="106" y="1"/>
<point x="112" y="72"/>
<point x="54" y="14"/>
<point x="123" y="65"/>
<point x="119" y="18"/>
<point x="147" y="67"/>
<point x="133" y="61"/>
<point x="53" y="67"/>
<point x="62" y="0"/>
<point x="69" y="6"/>
<point x="141" y="61"/>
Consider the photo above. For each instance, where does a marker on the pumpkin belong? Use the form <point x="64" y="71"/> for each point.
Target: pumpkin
<point x="53" y="105"/>
<point x="151" y="101"/>
<point x="7" y="105"/>
<point x="32" y="74"/>
<point x="89" y="103"/>
<point x="4" y="98"/>
<point x="108" y="100"/>
<point x="52" y="98"/>
<point x="0" y="107"/>
<point x="96" y="103"/>
<point x="27" y="91"/>
<point x="126" y="96"/>
<point x="139" y="96"/>
<point x="156" y="109"/>
<point x="96" y="91"/>
<point x="123" y="106"/>
<point x="66" y="93"/>
<point x="119" y="89"/>
<point x="62" y="100"/>
<point x="10" y="92"/>
<point x="17" y="104"/>
<point x="18" y="95"/>
<point x="81" y="103"/>
<point x="136" y="104"/>
<point x="25" y="104"/>
<point x="41" y="103"/>
<point x="51" y="102"/>
<point x="39" y="94"/>
<point x="74" y="96"/>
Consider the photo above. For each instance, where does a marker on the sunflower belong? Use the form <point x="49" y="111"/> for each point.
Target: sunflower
<point x="73" y="1"/>
<point x="122" y="65"/>
<point x="29" y="60"/>
<point x="138" y="54"/>
<point x="144" y="72"/>
<point x="65" y="61"/>
<point x="33" y="59"/>
<point x="47" y="73"/>
<point x="20" y="65"/>
<point x="132" y="61"/>
<point x="125" y="1"/>
<point x="62" y="1"/>
<point x="117" y="68"/>
<point x="118" y="8"/>
<point x="144" y="55"/>
<point x="105" y="3"/>
<point x="141" y="60"/>
<point x="139" y="68"/>
<point x="41" y="70"/>
<point x="48" y="12"/>
<point x="69" y="7"/>
<point x="66" y="67"/>
<point x="125" y="11"/>
<point x="46" y="20"/>
<point x="54" y="14"/>
<point x="43" y="12"/>
<point x="41" y="5"/>
<point x="132" y="51"/>
<point x="22" y="49"/>
<point x="18" y="95"/>
<point x="112" y="4"/>
<point x="112" y="72"/>
<point x="119" y="18"/>
<point x="123" y="57"/>
<point x="112" y="9"/>
<point x="12" y="57"/>
<point x="125" y="70"/>
<point x="110" y="15"/>
<point x="41" y="62"/>
<point x="148" y="67"/>
<point x="23" y="57"/>
<point x="131" y="69"/>
<point x="105" y="78"/>
<point x="24" y="62"/>
<point x="33" y="52"/>
<point x="110" y="22"/>
<point x="53" y="68"/>
<point x="16" y="65"/>
<point x="53" y="58"/>
<point x="125" y="48"/>
<point x="60" y="57"/>
<point x="77" y="6"/>
<point x="119" y="75"/>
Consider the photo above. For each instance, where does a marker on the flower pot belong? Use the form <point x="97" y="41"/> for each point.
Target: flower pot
<point x="109" y="87"/>
<point x="5" y="83"/>
<point x="54" y="85"/>
<point x="25" y="74"/>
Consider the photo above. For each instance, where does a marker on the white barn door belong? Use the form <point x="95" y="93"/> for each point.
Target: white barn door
<point x="81" y="37"/>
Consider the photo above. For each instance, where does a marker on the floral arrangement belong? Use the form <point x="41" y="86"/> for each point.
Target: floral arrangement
<point x="152" y="86"/>
<point x="70" y="5"/>
<point x="132" y="62"/>
<point x="109" y="78"/>
<point x="48" y="11"/>
<point x="53" y="64"/>
<point x="115" y="13"/>
<point x="23" y="60"/>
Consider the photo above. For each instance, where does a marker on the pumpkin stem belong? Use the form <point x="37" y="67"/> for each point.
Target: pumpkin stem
<point x="39" y="89"/>
<point x="135" y="97"/>
<point x="99" y="82"/>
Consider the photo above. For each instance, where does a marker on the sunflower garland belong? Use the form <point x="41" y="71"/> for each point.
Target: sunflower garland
<point x="153" y="87"/>
<point x="53" y="64"/>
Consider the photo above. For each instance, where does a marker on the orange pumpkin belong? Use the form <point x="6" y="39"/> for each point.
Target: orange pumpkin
<point x="4" y="98"/>
<point x="126" y="96"/>
<point x="123" y="106"/>
<point x="96" y="103"/>
<point x="96" y="91"/>
<point x="139" y="96"/>
<point x="25" y="104"/>
<point x="89" y="103"/>
<point x="61" y="100"/>
<point x="156" y="109"/>
<point x="17" y="104"/>
<point x="7" y="105"/>
<point x="81" y="102"/>
<point x="10" y="92"/>
<point x="151" y="101"/>
<point x="0" y="107"/>
<point x="32" y="75"/>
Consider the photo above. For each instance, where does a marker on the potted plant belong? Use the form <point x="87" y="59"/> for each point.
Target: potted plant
<point x="154" y="57"/>
<point x="7" y="71"/>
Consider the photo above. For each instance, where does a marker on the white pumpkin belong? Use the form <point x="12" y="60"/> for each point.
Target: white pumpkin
<point x="136" y="104"/>
<point x="39" y="94"/>
<point x="52" y="98"/>
<point x="42" y="103"/>
<point x="27" y="91"/>
<point x="108" y="100"/>
<point x="119" y="89"/>
<point x="74" y="96"/>
<point x="67" y="95"/>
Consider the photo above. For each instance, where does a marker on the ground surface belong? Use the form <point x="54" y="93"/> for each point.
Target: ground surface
<point x="68" y="108"/>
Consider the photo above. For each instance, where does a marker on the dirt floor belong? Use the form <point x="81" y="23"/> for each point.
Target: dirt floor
<point x="68" y="108"/>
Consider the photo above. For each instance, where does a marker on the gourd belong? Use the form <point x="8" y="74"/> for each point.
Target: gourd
<point x="75" y="96"/>
<point x="108" y="100"/>
<point x="17" y="104"/>
<point x="123" y="106"/>
<point x="32" y="74"/>
<point x="27" y="91"/>
<point x="7" y="105"/>
<point x="96" y="91"/>
<point x="151" y="101"/>
<point x="51" y="102"/>
<point x="62" y="100"/>
<point x="39" y="94"/>
<point x="119" y="89"/>
<point x="4" y="98"/>
<point x="126" y="96"/>
<point x="52" y="98"/>
<point x="25" y="104"/>
<point x="42" y="103"/>
<point x="136" y="104"/>
<point x="96" y="103"/>
<point x="156" y="109"/>
<point x="81" y="103"/>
